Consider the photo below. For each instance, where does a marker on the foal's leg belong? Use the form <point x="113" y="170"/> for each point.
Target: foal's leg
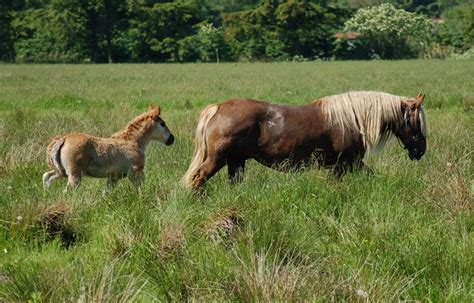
<point x="73" y="182"/>
<point x="111" y="182"/>
<point x="137" y="177"/>
<point x="48" y="177"/>
<point x="236" y="170"/>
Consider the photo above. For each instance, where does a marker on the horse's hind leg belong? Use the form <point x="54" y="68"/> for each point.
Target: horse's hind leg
<point x="49" y="177"/>
<point x="207" y="169"/>
<point x="73" y="181"/>
<point x="236" y="170"/>
<point x="46" y="178"/>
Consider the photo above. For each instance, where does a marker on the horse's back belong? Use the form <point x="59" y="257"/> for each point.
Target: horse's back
<point x="266" y="131"/>
<point x="99" y="157"/>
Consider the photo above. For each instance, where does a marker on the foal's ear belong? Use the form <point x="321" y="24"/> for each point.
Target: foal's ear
<point x="155" y="108"/>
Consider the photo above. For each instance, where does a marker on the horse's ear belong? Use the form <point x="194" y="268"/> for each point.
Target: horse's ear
<point x="158" y="109"/>
<point x="150" y="107"/>
<point x="419" y="99"/>
<point x="407" y="104"/>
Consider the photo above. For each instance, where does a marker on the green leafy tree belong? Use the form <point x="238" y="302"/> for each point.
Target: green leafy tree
<point x="156" y="29"/>
<point x="56" y="33"/>
<point x="305" y="28"/>
<point x="281" y="30"/>
<point x="6" y="39"/>
<point x="390" y="33"/>
<point x="212" y="42"/>
<point x="459" y="26"/>
<point x="229" y="5"/>
<point x="106" y="20"/>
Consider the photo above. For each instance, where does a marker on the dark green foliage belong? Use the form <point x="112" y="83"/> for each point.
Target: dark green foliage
<point x="6" y="39"/>
<point x="282" y="30"/>
<point x="106" y="20"/>
<point x="305" y="28"/>
<point x="156" y="29"/>
<point x="99" y="31"/>
<point x="459" y="27"/>
<point x="55" y="33"/>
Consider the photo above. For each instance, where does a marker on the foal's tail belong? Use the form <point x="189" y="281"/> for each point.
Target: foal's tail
<point x="53" y="154"/>
<point x="200" y="144"/>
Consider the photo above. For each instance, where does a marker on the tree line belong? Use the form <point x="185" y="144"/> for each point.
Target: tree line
<point x="100" y="31"/>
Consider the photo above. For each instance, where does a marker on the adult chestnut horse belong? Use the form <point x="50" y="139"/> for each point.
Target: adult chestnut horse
<point x="334" y="131"/>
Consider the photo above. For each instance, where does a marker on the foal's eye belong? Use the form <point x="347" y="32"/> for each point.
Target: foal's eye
<point x="162" y="124"/>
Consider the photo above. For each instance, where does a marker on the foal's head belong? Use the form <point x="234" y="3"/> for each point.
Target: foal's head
<point x="160" y="131"/>
<point x="412" y="131"/>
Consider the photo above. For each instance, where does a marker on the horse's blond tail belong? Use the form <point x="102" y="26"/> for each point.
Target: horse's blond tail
<point x="53" y="154"/>
<point x="200" y="144"/>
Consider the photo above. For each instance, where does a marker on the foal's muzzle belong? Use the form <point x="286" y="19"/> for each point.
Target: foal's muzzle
<point x="170" y="140"/>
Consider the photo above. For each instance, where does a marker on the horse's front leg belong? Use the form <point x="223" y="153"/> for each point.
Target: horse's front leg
<point x="366" y="169"/>
<point x="111" y="183"/>
<point x="236" y="170"/>
<point x="137" y="176"/>
<point x="361" y="166"/>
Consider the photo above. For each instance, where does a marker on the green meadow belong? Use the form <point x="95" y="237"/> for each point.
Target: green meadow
<point x="405" y="233"/>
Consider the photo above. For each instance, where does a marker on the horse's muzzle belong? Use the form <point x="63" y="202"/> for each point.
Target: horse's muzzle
<point x="415" y="154"/>
<point x="170" y="140"/>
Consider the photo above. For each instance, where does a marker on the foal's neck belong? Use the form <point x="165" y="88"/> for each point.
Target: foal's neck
<point x="143" y="137"/>
<point x="140" y="135"/>
<point x="143" y="140"/>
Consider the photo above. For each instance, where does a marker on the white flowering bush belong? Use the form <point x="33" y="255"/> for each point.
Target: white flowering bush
<point x="390" y="33"/>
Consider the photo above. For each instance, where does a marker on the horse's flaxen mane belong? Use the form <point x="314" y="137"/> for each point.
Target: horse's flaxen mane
<point x="137" y="127"/>
<point x="366" y="112"/>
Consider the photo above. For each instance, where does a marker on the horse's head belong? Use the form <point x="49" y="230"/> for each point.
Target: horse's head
<point x="160" y="131"/>
<point x="412" y="131"/>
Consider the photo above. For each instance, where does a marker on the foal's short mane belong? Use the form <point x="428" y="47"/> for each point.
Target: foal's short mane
<point x="137" y="127"/>
<point x="366" y="112"/>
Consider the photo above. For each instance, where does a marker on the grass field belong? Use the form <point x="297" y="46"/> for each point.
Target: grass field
<point x="406" y="233"/>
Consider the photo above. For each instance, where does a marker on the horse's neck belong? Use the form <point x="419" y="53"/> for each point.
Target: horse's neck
<point x="393" y="125"/>
<point x="140" y="137"/>
<point x="144" y="140"/>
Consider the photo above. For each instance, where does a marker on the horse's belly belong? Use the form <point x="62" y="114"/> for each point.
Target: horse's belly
<point x="97" y="171"/>
<point x="295" y="157"/>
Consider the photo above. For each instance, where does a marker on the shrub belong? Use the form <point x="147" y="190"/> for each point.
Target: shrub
<point x="389" y="33"/>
